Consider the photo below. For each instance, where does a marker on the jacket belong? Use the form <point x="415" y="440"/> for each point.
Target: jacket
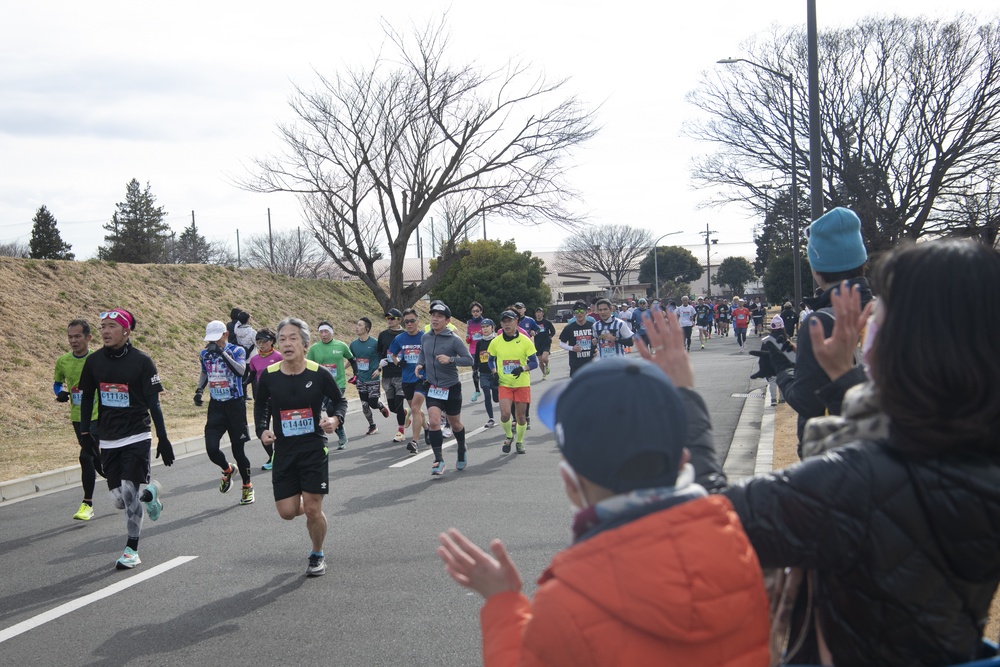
<point x="680" y="586"/>
<point x="799" y="384"/>
<point x="446" y="342"/>
<point x="902" y="550"/>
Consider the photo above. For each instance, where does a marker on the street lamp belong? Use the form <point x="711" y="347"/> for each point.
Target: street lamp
<point x="656" y="262"/>
<point x="795" y="183"/>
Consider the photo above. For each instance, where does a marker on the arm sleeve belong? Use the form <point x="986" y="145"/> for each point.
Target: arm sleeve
<point x="699" y="441"/>
<point x="236" y="361"/>
<point x="87" y="389"/>
<point x="550" y="328"/>
<point x="354" y="365"/>
<point x="57" y="387"/>
<point x="532" y="362"/>
<point x="565" y="346"/>
<point x="832" y="394"/>
<point x="262" y="405"/>
<point x="153" y="403"/>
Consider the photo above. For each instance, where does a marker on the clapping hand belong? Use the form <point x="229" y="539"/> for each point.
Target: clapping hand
<point x="473" y="568"/>
<point x="666" y="339"/>
<point x="835" y="354"/>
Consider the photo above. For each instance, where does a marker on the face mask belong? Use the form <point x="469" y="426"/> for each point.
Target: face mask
<point x="565" y="467"/>
<point x="871" y="331"/>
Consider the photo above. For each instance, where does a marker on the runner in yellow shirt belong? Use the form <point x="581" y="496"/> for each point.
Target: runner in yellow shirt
<point x="512" y="355"/>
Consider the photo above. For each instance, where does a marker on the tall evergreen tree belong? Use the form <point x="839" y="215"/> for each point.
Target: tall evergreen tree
<point x="137" y="232"/>
<point x="46" y="243"/>
<point x="191" y="247"/>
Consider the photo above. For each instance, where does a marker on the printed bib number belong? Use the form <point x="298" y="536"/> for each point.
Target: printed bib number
<point x="75" y="396"/>
<point x="297" y="422"/>
<point x="477" y="336"/>
<point x="362" y="364"/>
<point x="484" y="356"/>
<point x="332" y="368"/>
<point x="584" y="343"/>
<point x="411" y="355"/>
<point x="509" y="365"/>
<point x="440" y="393"/>
<point x="219" y="390"/>
<point x="607" y="348"/>
<point x="114" y="395"/>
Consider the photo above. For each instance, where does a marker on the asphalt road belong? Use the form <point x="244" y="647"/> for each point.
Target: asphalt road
<point x="223" y="583"/>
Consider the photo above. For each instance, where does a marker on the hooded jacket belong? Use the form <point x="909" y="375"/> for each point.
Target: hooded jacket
<point x="431" y="345"/>
<point x="680" y="586"/>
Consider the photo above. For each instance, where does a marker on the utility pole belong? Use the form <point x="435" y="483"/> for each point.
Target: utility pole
<point x="484" y="225"/>
<point x="270" y="239"/>
<point x="708" y="257"/>
<point x="239" y="261"/>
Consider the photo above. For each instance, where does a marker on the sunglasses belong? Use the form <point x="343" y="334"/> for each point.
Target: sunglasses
<point x="580" y="310"/>
<point x="391" y="317"/>
<point x="409" y="321"/>
<point x="112" y="315"/>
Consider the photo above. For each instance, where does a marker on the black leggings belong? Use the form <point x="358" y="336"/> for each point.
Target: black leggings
<point x="687" y="336"/>
<point x="88" y="464"/>
<point x="228" y="417"/>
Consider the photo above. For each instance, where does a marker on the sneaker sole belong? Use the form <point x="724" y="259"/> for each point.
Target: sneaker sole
<point x="316" y="573"/>
<point x="122" y="566"/>
<point x="247" y="502"/>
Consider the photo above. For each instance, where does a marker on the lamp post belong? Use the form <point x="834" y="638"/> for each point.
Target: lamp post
<point x="656" y="262"/>
<point x="795" y="182"/>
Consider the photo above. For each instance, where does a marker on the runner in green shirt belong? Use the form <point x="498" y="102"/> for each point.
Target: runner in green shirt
<point x="331" y="353"/>
<point x="66" y="379"/>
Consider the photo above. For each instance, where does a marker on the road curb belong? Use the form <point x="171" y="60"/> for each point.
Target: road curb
<point x="752" y="446"/>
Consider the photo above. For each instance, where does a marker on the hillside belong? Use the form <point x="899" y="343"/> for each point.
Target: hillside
<point x="172" y="304"/>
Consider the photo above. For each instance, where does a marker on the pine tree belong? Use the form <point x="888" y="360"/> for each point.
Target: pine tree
<point x="137" y="233"/>
<point x="191" y="247"/>
<point x="46" y="243"/>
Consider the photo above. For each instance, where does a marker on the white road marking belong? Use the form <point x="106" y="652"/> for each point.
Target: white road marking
<point x="428" y="451"/>
<point x="73" y="605"/>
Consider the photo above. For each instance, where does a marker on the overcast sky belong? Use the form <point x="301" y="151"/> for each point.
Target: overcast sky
<point x="183" y="94"/>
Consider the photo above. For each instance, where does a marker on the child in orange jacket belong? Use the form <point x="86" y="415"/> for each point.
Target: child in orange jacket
<point x="659" y="572"/>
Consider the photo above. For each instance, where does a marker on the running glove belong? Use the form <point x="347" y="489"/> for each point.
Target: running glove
<point x="165" y="451"/>
<point x="62" y="396"/>
<point x="353" y="380"/>
<point x="198" y="400"/>
<point x="517" y="371"/>
<point x="212" y="347"/>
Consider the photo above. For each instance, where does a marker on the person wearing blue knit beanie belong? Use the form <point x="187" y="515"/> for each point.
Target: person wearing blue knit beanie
<point x="837" y="257"/>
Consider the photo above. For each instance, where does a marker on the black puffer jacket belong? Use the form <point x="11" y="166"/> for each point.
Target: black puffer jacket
<point x="905" y="551"/>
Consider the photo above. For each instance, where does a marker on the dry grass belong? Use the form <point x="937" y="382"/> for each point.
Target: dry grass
<point x="172" y="305"/>
<point x="785" y="442"/>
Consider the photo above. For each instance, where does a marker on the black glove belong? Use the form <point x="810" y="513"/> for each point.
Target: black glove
<point x="779" y="361"/>
<point x="495" y="378"/>
<point x="764" y="368"/>
<point x="62" y="396"/>
<point x="517" y="371"/>
<point x="212" y="347"/>
<point x="198" y="400"/>
<point x="165" y="451"/>
<point x="95" y="450"/>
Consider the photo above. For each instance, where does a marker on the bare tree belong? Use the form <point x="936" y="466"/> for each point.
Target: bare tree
<point x="609" y="250"/>
<point x="290" y="252"/>
<point x="910" y="111"/>
<point x="976" y="213"/>
<point x="373" y="152"/>
<point x="15" y="249"/>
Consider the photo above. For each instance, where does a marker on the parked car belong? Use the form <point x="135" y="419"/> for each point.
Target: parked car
<point x="564" y="315"/>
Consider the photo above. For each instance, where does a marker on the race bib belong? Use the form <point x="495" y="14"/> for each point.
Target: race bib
<point x="606" y="348"/>
<point x="219" y="390"/>
<point x="584" y="343"/>
<point x="477" y="336"/>
<point x="484" y="357"/>
<point x="332" y="368"/>
<point x="75" y="396"/>
<point x="509" y="365"/>
<point x="362" y="364"/>
<point x="114" y="395"/>
<point x="297" y="422"/>
<point x="440" y="393"/>
<point x="411" y="354"/>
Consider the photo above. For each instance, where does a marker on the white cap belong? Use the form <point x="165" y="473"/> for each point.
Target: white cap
<point x="214" y="331"/>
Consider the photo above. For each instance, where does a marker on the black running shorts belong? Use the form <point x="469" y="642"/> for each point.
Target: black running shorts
<point x="411" y="388"/>
<point x="130" y="462"/>
<point x="300" y="468"/>
<point x="451" y="406"/>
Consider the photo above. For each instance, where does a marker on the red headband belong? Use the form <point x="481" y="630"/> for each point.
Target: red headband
<point x="126" y="321"/>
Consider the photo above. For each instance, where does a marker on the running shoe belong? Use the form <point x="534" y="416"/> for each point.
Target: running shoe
<point x="490" y="424"/>
<point x="446" y="432"/>
<point x="372" y="429"/>
<point x="411" y="446"/>
<point x="128" y="560"/>
<point x="548" y="369"/>
<point x="316" y="567"/>
<point x="438" y="468"/>
<point x="506" y="445"/>
<point x="475" y="396"/>
<point x="269" y="465"/>
<point x="227" y="479"/>
<point x="384" y="410"/>
<point x="520" y="447"/>
<point x="153" y="505"/>
<point x="427" y="435"/>
<point x="247" y="495"/>
<point x="342" y="442"/>
<point x="703" y="346"/>
<point x="527" y="423"/>
<point x="399" y="437"/>
<point x="85" y="513"/>
<point x="460" y="465"/>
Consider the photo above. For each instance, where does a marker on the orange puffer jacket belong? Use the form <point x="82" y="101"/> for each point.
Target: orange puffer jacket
<point x="680" y="586"/>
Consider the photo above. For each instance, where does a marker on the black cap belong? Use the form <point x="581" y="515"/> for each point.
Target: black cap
<point x="266" y="334"/>
<point x="440" y="307"/>
<point x="509" y="314"/>
<point x="639" y="394"/>
<point x="393" y="312"/>
<point x="519" y="305"/>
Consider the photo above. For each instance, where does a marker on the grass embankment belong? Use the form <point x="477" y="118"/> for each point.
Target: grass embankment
<point x="172" y="304"/>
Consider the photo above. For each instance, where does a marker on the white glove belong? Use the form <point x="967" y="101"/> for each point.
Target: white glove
<point x="383" y="363"/>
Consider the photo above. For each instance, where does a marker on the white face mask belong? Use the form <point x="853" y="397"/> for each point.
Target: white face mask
<point x="568" y="469"/>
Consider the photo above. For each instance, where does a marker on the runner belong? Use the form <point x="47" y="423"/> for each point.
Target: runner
<point x="758" y="311"/>
<point x="703" y="319"/>
<point x="365" y="351"/>
<point x="723" y="312"/>
<point x="482" y="357"/>
<point x="526" y="323"/>
<point x="578" y="338"/>
<point x="473" y="334"/>
<point x="392" y="375"/>
<point x="330" y="353"/>
<point x="66" y="381"/>
<point x="685" y="316"/>
<point x="638" y="326"/>
<point x="223" y="366"/>
<point x="543" y="341"/>
<point x="441" y="352"/>
<point x="264" y="356"/>
<point x="295" y="392"/>
<point x="405" y="352"/>
<point x="613" y="335"/>
<point x="741" y="320"/>
<point x="512" y="356"/>
<point x="127" y="388"/>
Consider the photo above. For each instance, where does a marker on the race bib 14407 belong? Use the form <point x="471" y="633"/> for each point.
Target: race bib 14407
<point x="297" y="422"/>
<point x="114" y="395"/>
